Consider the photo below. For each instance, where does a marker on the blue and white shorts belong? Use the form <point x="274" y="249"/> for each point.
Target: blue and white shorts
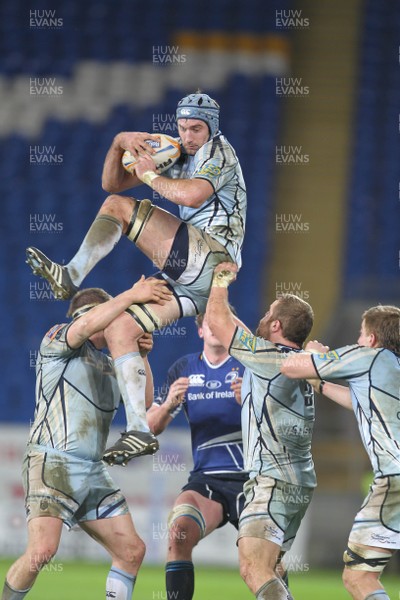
<point x="273" y="510"/>
<point x="378" y="521"/>
<point x="59" y="485"/>
<point x="190" y="267"/>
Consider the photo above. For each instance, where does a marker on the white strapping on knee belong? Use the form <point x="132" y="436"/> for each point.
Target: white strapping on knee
<point x="190" y="511"/>
<point x="144" y="316"/>
<point x="359" y="558"/>
<point x="140" y="215"/>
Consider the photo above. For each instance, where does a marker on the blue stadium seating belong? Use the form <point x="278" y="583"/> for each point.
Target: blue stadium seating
<point x="373" y="238"/>
<point x="104" y="31"/>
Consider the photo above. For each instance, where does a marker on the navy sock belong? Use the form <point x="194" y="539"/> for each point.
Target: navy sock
<point x="179" y="578"/>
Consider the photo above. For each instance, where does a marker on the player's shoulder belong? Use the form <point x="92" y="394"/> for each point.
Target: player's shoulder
<point x="185" y="362"/>
<point x="387" y="356"/>
<point x="355" y="350"/>
<point x="220" y="141"/>
<point x="253" y="342"/>
<point x="55" y="332"/>
<point x="232" y="362"/>
<point x="54" y="341"/>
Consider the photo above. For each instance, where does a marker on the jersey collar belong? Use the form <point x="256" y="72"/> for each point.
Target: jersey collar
<point x="210" y="365"/>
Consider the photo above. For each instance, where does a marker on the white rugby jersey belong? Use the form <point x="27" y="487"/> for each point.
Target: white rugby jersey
<point x="278" y="413"/>
<point x="373" y="375"/>
<point x="223" y="214"/>
<point x="77" y="396"/>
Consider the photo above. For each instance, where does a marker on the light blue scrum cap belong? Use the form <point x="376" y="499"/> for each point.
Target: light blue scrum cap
<point x="200" y="106"/>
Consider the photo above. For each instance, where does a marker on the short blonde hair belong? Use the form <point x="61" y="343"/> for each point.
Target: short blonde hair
<point x="384" y="323"/>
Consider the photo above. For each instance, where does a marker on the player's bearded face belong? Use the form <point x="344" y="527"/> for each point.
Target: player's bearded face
<point x="264" y="327"/>
<point x="193" y="133"/>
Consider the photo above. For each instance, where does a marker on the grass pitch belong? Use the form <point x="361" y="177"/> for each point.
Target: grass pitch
<point x="86" y="581"/>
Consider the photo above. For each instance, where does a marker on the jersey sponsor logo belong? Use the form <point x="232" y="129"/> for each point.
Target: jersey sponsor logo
<point x="231" y="377"/>
<point x="111" y="594"/>
<point x="53" y="331"/>
<point x="197" y="379"/>
<point x="213" y="384"/>
<point x="248" y="340"/>
<point x="271" y="530"/>
<point x="382" y="539"/>
<point x="210" y="170"/>
<point x="331" y="355"/>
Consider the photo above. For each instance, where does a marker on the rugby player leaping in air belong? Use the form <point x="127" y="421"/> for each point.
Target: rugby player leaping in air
<point x="207" y="184"/>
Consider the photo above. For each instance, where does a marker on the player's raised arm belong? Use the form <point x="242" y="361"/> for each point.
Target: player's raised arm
<point x="115" y="178"/>
<point x="219" y="316"/>
<point x="99" y="317"/>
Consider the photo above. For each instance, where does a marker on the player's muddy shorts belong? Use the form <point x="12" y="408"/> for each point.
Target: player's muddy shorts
<point x="378" y="521"/>
<point x="226" y="489"/>
<point x="273" y="510"/>
<point x="190" y="266"/>
<point x="59" y="485"/>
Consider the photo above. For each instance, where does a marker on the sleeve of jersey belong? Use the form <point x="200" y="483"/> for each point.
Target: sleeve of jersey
<point x="216" y="163"/>
<point x="173" y="374"/>
<point x="54" y="343"/>
<point x="253" y="352"/>
<point x="344" y="363"/>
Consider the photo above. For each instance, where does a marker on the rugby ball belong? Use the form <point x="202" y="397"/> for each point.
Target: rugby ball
<point x="167" y="152"/>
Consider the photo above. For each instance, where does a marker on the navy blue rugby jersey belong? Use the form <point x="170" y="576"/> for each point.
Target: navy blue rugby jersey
<point x="211" y="410"/>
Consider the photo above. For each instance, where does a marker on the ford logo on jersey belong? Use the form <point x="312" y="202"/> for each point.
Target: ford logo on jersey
<point x="213" y="384"/>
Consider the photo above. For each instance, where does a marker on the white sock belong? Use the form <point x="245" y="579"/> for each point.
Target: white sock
<point x="119" y="584"/>
<point x="131" y="377"/>
<point x="101" y="238"/>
